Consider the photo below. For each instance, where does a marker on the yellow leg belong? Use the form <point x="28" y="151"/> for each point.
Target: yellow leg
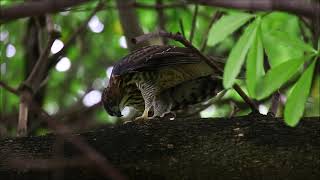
<point x="144" y="115"/>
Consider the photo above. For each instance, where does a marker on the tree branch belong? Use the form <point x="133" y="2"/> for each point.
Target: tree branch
<point x="129" y="22"/>
<point x="226" y="148"/>
<point x="214" y="18"/>
<point x="161" y="19"/>
<point x="98" y="159"/>
<point x="9" y="88"/>
<point x="36" y="8"/>
<point x="299" y="7"/>
<point x="194" y="23"/>
<point x="32" y="84"/>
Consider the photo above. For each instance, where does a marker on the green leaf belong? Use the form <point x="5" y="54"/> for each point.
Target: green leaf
<point x="294" y="42"/>
<point x="254" y="68"/>
<point x="238" y="54"/>
<point x="281" y="21"/>
<point x="279" y="52"/>
<point x="276" y="77"/>
<point x="297" y="98"/>
<point x="226" y="26"/>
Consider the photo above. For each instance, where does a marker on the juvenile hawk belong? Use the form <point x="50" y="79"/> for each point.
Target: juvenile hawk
<point x="158" y="79"/>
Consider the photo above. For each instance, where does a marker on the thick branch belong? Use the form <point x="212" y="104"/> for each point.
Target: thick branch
<point x="299" y="7"/>
<point x="36" y="8"/>
<point x="237" y="148"/>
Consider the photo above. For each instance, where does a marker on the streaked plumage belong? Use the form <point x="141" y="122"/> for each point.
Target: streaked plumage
<point x="158" y="79"/>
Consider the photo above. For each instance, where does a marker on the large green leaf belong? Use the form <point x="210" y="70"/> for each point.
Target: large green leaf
<point x="296" y="100"/>
<point x="238" y="54"/>
<point x="281" y="21"/>
<point x="226" y="26"/>
<point x="276" y="77"/>
<point x="291" y="41"/>
<point x="254" y="68"/>
<point x="279" y="52"/>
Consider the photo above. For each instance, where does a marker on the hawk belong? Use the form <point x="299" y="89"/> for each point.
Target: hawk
<point x="157" y="80"/>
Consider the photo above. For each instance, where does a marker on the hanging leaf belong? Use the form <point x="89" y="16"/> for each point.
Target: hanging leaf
<point x="296" y="100"/>
<point x="238" y="54"/>
<point x="276" y="77"/>
<point x="226" y="26"/>
<point x="254" y="68"/>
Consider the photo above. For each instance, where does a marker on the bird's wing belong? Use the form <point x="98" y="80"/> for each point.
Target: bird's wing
<point x="155" y="57"/>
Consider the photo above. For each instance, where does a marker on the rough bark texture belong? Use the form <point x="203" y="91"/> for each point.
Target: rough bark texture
<point x="237" y="148"/>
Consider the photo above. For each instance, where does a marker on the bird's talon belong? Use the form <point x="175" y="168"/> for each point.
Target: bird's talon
<point x="170" y="115"/>
<point x="142" y="119"/>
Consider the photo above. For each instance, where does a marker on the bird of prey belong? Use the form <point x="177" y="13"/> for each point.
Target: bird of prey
<point x="157" y="80"/>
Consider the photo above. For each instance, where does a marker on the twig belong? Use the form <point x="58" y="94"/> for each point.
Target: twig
<point x="162" y="19"/>
<point x="25" y="98"/>
<point x="306" y="22"/>
<point x="274" y="104"/>
<point x="303" y="30"/>
<point x="243" y="95"/>
<point x="181" y="27"/>
<point x="38" y="70"/>
<point x="234" y="109"/>
<point x="194" y="23"/>
<point x="9" y="88"/>
<point x="214" y="18"/>
<point x="178" y="37"/>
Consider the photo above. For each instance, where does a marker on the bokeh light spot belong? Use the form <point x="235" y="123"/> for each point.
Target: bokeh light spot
<point x="10" y="51"/>
<point x="4" y="35"/>
<point x="63" y="65"/>
<point x="263" y="109"/>
<point x="123" y="42"/>
<point x="92" y="98"/>
<point x="95" y="25"/>
<point x="56" y="46"/>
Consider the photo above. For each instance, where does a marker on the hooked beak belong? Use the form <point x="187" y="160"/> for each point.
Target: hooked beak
<point x="118" y="114"/>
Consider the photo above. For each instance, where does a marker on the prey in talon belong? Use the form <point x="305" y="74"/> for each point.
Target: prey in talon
<point x="157" y="80"/>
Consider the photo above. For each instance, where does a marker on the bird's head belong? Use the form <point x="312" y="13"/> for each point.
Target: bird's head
<point x="112" y="96"/>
